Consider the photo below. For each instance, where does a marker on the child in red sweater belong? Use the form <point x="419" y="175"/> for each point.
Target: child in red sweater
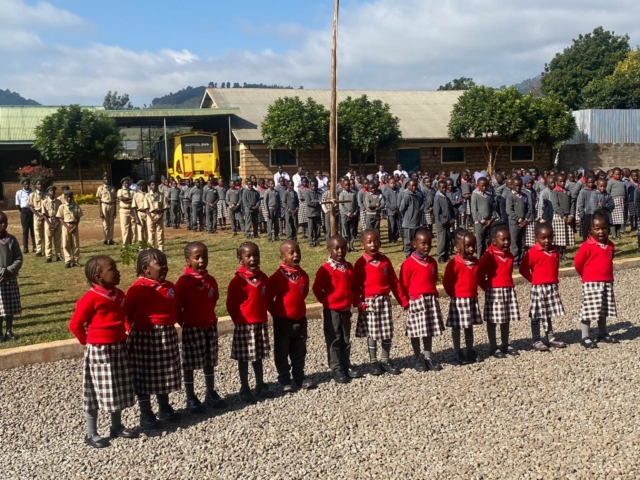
<point x="99" y="324"/>
<point x="286" y="300"/>
<point x="594" y="264"/>
<point x="419" y="298"/>
<point x="333" y="287"/>
<point x="247" y="306"/>
<point x="197" y="295"/>
<point x="460" y="281"/>
<point x="154" y="354"/>
<point x="495" y="277"/>
<point x="374" y="280"/>
<point x="540" y="266"/>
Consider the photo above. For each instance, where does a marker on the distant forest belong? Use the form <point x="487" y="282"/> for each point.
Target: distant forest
<point x="7" y="97"/>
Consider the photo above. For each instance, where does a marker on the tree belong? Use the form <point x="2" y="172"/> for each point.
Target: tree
<point x="228" y="84"/>
<point x="592" y="57"/>
<point x="296" y="125"/>
<point x="621" y="89"/>
<point x="73" y="136"/>
<point x="462" y="83"/>
<point x="113" y="101"/>
<point x="365" y="126"/>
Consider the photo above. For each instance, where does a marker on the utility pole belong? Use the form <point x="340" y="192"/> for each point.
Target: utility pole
<point x="333" y="122"/>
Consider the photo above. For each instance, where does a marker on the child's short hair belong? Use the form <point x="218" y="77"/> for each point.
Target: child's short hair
<point x="370" y="231"/>
<point x="460" y="235"/>
<point x="243" y="246"/>
<point x="145" y="257"/>
<point x="92" y="267"/>
<point x="422" y="231"/>
<point x="497" y="227"/>
<point x="190" y="246"/>
<point x="441" y="182"/>
<point x="541" y="226"/>
<point x="599" y="215"/>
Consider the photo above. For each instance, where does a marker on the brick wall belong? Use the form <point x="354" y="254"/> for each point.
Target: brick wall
<point x="9" y="189"/>
<point x="600" y="155"/>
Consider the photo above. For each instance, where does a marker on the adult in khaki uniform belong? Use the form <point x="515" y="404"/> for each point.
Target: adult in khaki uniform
<point x="140" y="212"/>
<point x="52" y="226"/>
<point x="69" y="214"/>
<point x="156" y="205"/>
<point x="125" y="198"/>
<point x="106" y="196"/>
<point x="35" y="204"/>
<point x="61" y="196"/>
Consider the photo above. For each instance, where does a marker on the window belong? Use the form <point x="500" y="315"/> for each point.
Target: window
<point x="453" y="155"/>
<point x="366" y="159"/>
<point x="522" y="153"/>
<point x="283" y="157"/>
<point x="236" y="159"/>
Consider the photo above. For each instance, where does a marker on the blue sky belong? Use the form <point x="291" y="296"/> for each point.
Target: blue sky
<point x="74" y="51"/>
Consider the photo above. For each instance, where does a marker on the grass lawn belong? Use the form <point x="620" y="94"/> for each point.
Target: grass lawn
<point x="49" y="291"/>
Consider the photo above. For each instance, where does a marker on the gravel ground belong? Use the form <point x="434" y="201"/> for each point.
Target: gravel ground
<point x="569" y="413"/>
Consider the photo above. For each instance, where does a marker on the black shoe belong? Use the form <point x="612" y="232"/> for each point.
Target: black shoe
<point x="307" y="385"/>
<point x="10" y="336"/>
<point x="509" y="350"/>
<point x="26" y="250"/>
<point x="96" y="441"/>
<point x="461" y="358"/>
<point x="288" y="388"/>
<point x="48" y="260"/>
<point x="376" y="369"/>
<point x="277" y="239"/>
<point x="247" y="397"/>
<point x="39" y="254"/>
<point x="353" y="373"/>
<point x="166" y="412"/>
<point x="442" y="260"/>
<point x="588" y="343"/>
<point x="59" y="258"/>
<point x="389" y="368"/>
<point x="340" y="377"/>
<point x="194" y="405"/>
<point x="432" y="365"/>
<point x="106" y="242"/>
<point x="420" y="364"/>
<point x="472" y="356"/>
<point x="214" y="400"/>
<point x="263" y="391"/>
<point x="495" y="352"/>
<point x="111" y="242"/>
<point x="605" y="338"/>
<point x="67" y="265"/>
<point x="123" y="432"/>
<point x="1" y="337"/>
<point x="148" y="420"/>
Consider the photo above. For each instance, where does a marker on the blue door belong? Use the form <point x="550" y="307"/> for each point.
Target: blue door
<point x="409" y="158"/>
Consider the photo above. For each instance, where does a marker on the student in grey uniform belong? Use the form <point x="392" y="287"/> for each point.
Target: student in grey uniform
<point x="186" y="204"/>
<point x="174" y="202"/>
<point x="211" y="199"/>
<point x="498" y="188"/>
<point x="583" y="206"/>
<point x="506" y="192"/>
<point x="482" y="213"/>
<point x="428" y="193"/>
<point x="196" y="195"/>
<point x="444" y="217"/>
<point x="518" y="211"/>
<point x="281" y="187"/>
<point x="291" y="205"/>
<point x="312" y="199"/>
<point x="234" y="201"/>
<point x="373" y="204"/>
<point x="391" y="196"/>
<point x="617" y="190"/>
<point x="221" y="214"/>
<point x="545" y="209"/>
<point x="272" y="204"/>
<point x="348" y="213"/>
<point x="251" y="208"/>
<point x="411" y="209"/>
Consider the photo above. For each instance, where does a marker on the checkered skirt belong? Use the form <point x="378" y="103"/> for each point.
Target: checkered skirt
<point x="501" y="305"/>
<point x="530" y="235"/>
<point x="424" y="318"/>
<point x="363" y="217"/>
<point x="250" y="342"/>
<point x="376" y="322"/>
<point x="199" y="347"/>
<point x="598" y="300"/>
<point x="302" y="213"/>
<point x="154" y="357"/>
<point x="106" y="378"/>
<point x="631" y="212"/>
<point x="617" y="216"/>
<point x="545" y="303"/>
<point x="562" y="232"/>
<point x="263" y="211"/>
<point x="463" y="313"/>
<point x="222" y="209"/>
<point x="10" y="298"/>
<point x="429" y="219"/>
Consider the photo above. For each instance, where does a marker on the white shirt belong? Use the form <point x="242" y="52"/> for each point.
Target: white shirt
<point x="22" y="197"/>
<point x="276" y="177"/>
<point x="400" y="172"/>
<point x="381" y="174"/>
<point x="297" y="181"/>
<point x="322" y="183"/>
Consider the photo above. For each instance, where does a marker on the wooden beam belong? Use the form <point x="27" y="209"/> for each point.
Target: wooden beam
<point x="333" y="122"/>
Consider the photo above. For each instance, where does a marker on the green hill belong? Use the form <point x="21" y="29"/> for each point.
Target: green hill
<point x="7" y="97"/>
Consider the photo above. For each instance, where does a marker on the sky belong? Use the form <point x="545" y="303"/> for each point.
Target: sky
<point x="74" y="51"/>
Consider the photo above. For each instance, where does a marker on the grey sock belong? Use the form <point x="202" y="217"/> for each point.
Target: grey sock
<point x="602" y="326"/>
<point x="116" y="420"/>
<point x="386" y="350"/>
<point x="91" y="418"/>
<point x="585" y="330"/>
<point x="373" y="349"/>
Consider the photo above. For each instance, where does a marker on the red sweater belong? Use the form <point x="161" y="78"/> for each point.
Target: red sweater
<point x="286" y="297"/>
<point x="334" y="288"/>
<point x="594" y="262"/>
<point x="540" y="267"/>
<point x="247" y="297"/>
<point x="374" y="277"/>
<point x="151" y="303"/>
<point x="417" y="277"/>
<point x="99" y="317"/>
<point x="461" y="278"/>
<point x="495" y="269"/>
<point x="197" y="296"/>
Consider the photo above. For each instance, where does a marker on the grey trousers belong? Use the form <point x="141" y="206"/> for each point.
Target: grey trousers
<point x="212" y="217"/>
<point x="175" y="214"/>
<point x="197" y="210"/>
<point x="517" y="241"/>
<point x="188" y="213"/>
<point x="337" y="335"/>
<point x="314" y="224"/>
<point x="273" y="223"/>
<point x="236" y="219"/>
<point x="443" y="242"/>
<point x="251" y="221"/>
<point x="291" y="224"/>
<point x="372" y="222"/>
<point x="482" y="238"/>
<point x="392" y="224"/>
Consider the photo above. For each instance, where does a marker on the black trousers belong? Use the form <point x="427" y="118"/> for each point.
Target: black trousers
<point x="273" y="223"/>
<point x="290" y="343"/>
<point x="314" y="224"/>
<point x="197" y="210"/>
<point x="175" y="214"/>
<point x="372" y="222"/>
<point x="392" y="224"/>
<point x="337" y="335"/>
<point x="26" y="219"/>
<point x="212" y="217"/>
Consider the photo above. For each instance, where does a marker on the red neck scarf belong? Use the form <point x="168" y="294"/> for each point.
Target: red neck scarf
<point x="558" y="189"/>
<point x="103" y="292"/>
<point x="246" y="273"/>
<point x="290" y="270"/>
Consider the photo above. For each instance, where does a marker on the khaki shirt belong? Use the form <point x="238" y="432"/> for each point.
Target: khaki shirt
<point x="156" y="202"/>
<point x="125" y="193"/>
<point x="50" y="209"/>
<point x="106" y="194"/>
<point x="139" y="202"/>
<point x="35" y="201"/>
<point x="69" y="212"/>
<point x="63" y="200"/>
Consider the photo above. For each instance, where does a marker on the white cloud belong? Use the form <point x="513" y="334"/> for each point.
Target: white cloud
<point x="386" y="44"/>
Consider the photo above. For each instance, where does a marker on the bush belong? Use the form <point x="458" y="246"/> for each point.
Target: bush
<point x="86" y="199"/>
<point x="36" y="172"/>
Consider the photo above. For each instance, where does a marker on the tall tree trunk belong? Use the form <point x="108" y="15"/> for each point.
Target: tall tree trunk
<point x="80" y="177"/>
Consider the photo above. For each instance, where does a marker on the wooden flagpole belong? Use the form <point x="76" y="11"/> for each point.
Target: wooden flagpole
<point x="333" y="122"/>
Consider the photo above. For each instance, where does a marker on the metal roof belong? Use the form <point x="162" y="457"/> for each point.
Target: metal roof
<point x="606" y="126"/>
<point x="424" y="115"/>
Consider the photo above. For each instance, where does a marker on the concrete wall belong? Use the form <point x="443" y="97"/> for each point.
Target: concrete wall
<point x="600" y="155"/>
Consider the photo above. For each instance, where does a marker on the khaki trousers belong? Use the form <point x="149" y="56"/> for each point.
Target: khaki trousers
<point x="156" y="234"/>
<point x="38" y="229"/>
<point x="53" y="239"/>
<point x="71" y="245"/>
<point x="108" y="221"/>
<point x="142" y="230"/>
<point x="126" y="225"/>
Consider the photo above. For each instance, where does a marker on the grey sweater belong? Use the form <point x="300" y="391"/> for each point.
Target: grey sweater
<point x="561" y="203"/>
<point x="411" y="205"/>
<point x="616" y="188"/>
<point x="290" y="200"/>
<point x="272" y="199"/>
<point x="10" y="257"/>
<point x="442" y="210"/>
<point x="250" y="198"/>
<point x="482" y="207"/>
<point x="517" y="207"/>
<point x="313" y="198"/>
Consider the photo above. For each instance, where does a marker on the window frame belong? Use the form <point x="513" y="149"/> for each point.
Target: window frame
<point x="276" y="165"/>
<point x="375" y="160"/>
<point x="464" y="152"/>
<point x="529" y="160"/>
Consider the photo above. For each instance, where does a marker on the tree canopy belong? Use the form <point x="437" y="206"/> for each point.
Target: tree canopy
<point x="621" y="89"/>
<point x="462" y="83"/>
<point x="590" y="58"/>
<point x="113" y="101"/>
<point x="73" y="136"/>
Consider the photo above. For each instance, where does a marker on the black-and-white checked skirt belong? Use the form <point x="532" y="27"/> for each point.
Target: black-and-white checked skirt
<point x="429" y="219"/>
<point x="250" y="342"/>
<point x="424" y="318"/>
<point x="376" y="322"/>
<point x="363" y="218"/>
<point x="617" y="216"/>
<point x="154" y="357"/>
<point x="598" y="300"/>
<point x="463" y="313"/>
<point x="302" y="213"/>
<point x="501" y="305"/>
<point x="562" y="232"/>
<point x="222" y="209"/>
<point x="107" y="381"/>
<point x="631" y="211"/>
<point x="10" y="298"/>
<point x="467" y="207"/>
<point x="545" y="303"/>
<point x="199" y="347"/>
<point x="263" y="211"/>
<point x="530" y="235"/>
